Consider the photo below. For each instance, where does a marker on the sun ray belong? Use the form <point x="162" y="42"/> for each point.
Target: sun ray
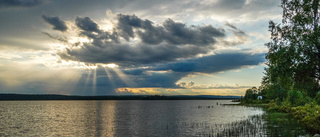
<point x="88" y="77"/>
<point x="72" y="76"/>
<point x="123" y="77"/>
<point x="109" y="75"/>
<point x="94" y="81"/>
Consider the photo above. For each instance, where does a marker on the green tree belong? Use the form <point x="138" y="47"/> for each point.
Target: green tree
<point x="251" y="94"/>
<point x="295" y="98"/>
<point x="293" y="58"/>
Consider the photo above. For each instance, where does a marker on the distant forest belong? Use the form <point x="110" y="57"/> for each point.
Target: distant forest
<point x="4" y="97"/>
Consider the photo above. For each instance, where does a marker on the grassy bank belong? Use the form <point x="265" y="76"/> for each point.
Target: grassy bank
<point x="307" y="115"/>
<point x="267" y="124"/>
<point x="282" y="124"/>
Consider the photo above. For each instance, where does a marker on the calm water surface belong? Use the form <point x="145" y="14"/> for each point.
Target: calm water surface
<point x="118" y="118"/>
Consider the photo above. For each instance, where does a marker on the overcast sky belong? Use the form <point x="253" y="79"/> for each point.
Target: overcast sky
<point x="104" y="47"/>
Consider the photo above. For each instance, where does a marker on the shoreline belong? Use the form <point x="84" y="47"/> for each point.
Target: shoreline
<point x="31" y="97"/>
<point x="293" y="112"/>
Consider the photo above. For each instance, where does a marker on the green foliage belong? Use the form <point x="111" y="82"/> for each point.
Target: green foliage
<point x="317" y="98"/>
<point x="273" y="106"/>
<point x="293" y="58"/>
<point x="275" y="92"/>
<point x="291" y="80"/>
<point x="282" y="124"/>
<point x="309" y="115"/>
<point x="295" y="98"/>
<point x="251" y="95"/>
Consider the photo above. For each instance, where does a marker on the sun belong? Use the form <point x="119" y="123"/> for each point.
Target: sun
<point x="112" y="65"/>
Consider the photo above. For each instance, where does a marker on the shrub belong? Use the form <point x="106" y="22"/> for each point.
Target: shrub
<point x="273" y="106"/>
<point x="296" y="98"/>
<point x="317" y="98"/>
<point x="285" y="106"/>
<point x="309" y="115"/>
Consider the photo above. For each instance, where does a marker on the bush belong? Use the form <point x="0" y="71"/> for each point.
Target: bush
<point x="273" y="106"/>
<point x="296" y="98"/>
<point x="285" y="106"/>
<point x="317" y="98"/>
<point x="309" y="115"/>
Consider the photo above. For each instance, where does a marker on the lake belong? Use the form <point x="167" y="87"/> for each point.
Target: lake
<point x="125" y="118"/>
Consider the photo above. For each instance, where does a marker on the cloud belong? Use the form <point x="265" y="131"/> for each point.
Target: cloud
<point x="21" y="43"/>
<point x="124" y="54"/>
<point x="155" y="91"/>
<point x="231" y="26"/>
<point x="163" y="75"/>
<point x="230" y="4"/>
<point x="158" y="79"/>
<point x="219" y="10"/>
<point x="150" y="49"/>
<point x="192" y="85"/>
<point x="171" y="32"/>
<point x="56" y="22"/>
<point x="20" y="3"/>
<point x="137" y="41"/>
<point x="186" y="84"/>
<point x="86" y="24"/>
<point x="61" y="39"/>
<point x="150" y="55"/>
<point x="167" y="74"/>
<point x="214" y="63"/>
<point x="240" y="37"/>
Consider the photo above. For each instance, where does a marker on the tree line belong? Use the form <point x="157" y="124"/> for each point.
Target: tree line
<point x="293" y="59"/>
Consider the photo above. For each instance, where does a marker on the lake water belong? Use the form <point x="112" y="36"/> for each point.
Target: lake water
<point x="120" y="117"/>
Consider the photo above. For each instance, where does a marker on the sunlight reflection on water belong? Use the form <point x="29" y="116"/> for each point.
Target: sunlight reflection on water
<point x="117" y="118"/>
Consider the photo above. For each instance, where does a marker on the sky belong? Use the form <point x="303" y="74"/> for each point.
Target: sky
<point x="134" y="47"/>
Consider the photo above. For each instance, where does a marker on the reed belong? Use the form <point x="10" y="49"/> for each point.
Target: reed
<point x="254" y="126"/>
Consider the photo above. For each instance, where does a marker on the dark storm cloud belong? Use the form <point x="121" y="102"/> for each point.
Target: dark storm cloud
<point x="155" y="77"/>
<point x="171" y="41"/>
<point x="20" y="3"/>
<point x="214" y="63"/>
<point x="178" y="33"/>
<point x="91" y="29"/>
<point x="56" y="22"/>
<point x="171" y="32"/>
<point x="86" y="24"/>
<point x="130" y="55"/>
<point x="126" y="23"/>
<point x="164" y="80"/>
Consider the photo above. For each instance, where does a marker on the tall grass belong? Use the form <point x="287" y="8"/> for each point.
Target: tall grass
<point x="271" y="124"/>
